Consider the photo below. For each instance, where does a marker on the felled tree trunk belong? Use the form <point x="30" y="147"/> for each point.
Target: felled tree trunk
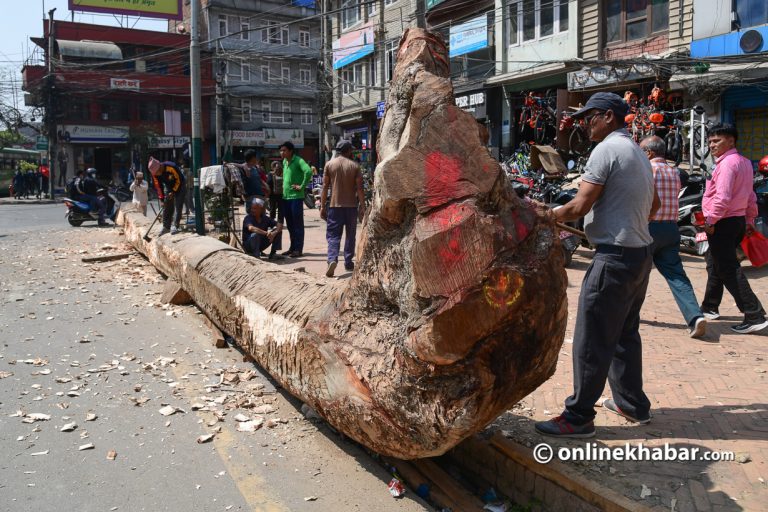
<point x="456" y="309"/>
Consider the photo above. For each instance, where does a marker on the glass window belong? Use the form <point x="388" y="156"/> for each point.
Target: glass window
<point x="285" y="73"/>
<point x="245" y="29"/>
<point x="613" y="20"/>
<point x="513" y="25"/>
<point x="529" y="20"/>
<point x="751" y="13"/>
<point x="660" y="15"/>
<point x="265" y="74"/>
<point x="266" y="111"/>
<point x="636" y="9"/>
<point x="245" y="110"/>
<point x="636" y="30"/>
<point x="391" y="55"/>
<point x="307" y="116"/>
<point x="563" y="15"/>
<point x="222" y="25"/>
<point x="350" y="13"/>
<point x="304" y="36"/>
<point x="546" y="19"/>
<point x="286" y="107"/>
<point x="305" y="74"/>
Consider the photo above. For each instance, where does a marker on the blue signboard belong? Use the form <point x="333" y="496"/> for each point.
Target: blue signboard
<point x="353" y="46"/>
<point x="379" y="109"/>
<point x="469" y="36"/>
<point x="304" y="3"/>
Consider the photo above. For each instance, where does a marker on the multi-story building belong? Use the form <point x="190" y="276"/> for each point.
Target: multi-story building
<point x="266" y="54"/>
<point x="365" y="37"/>
<point x="735" y="88"/>
<point x="112" y="91"/>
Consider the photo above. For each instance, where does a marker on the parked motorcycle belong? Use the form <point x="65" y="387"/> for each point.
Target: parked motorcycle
<point x="80" y="211"/>
<point x="689" y="206"/>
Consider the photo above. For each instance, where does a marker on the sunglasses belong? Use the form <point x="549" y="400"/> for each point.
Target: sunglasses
<point x="588" y="119"/>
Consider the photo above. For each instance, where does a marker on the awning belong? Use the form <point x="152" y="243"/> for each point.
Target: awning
<point x="532" y="73"/>
<point x="722" y="74"/>
<point x="352" y="115"/>
<point x="89" y="49"/>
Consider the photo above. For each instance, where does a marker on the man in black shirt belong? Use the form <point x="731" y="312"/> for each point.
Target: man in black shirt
<point x="260" y="231"/>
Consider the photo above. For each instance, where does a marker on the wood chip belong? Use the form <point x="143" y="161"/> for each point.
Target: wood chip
<point x="205" y="438"/>
<point x="111" y="455"/>
<point x="88" y="446"/>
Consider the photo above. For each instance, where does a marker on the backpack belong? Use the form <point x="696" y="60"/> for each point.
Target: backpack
<point x="71" y="189"/>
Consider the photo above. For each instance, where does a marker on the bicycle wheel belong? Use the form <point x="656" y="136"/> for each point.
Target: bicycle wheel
<point x="578" y="142"/>
<point x="697" y="134"/>
<point x="540" y="129"/>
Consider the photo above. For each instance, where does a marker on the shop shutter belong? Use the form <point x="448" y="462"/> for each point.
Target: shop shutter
<point x="752" y="124"/>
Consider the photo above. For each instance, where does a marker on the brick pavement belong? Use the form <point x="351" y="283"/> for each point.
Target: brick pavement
<point x="705" y="393"/>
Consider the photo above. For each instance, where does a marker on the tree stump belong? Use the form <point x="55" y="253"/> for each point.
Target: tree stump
<point x="457" y="306"/>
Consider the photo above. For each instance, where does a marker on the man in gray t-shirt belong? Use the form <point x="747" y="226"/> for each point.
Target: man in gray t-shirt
<point x="617" y="196"/>
<point x="620" y="215"/>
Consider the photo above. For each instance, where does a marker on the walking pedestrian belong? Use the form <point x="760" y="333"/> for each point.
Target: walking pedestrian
<point x="296" y="175"/>
<point x="170" y="186"/>
<point x="666" y="236"/>
<point x="345" y="181"/>
<point x="730" y="208"/>
<point x="18" y="184"/>
<point x="140" y="190"/>
<point x="275" y="182"/>
<point x="617" y="197"/>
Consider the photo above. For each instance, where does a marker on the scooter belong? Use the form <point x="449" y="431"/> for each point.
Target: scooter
<point x="80" y="211"/>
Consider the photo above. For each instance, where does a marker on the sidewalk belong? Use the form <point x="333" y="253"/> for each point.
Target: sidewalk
<point x="32" y="200"/>
<point x="706" y="393"/>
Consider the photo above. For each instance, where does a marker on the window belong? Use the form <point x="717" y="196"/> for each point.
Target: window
<point x="530" y="20"/>
<point x="374" y="63"/>
<point x="304" y="36"/>
<point x="265" y="73"/>
<point x="245" y="111"/>
<point x="274" y="33"/>
<point x="391" y="56"/>
<point x="750" y="13"/>
<point x="305" y="74"/>
<point x="372" y="8"/>
<point x="266" y="111"/>
<point x="234" y="70"/>
<point x="245" y="29"/>
<point x="222" y="25"/>
<point x="285" y="73"/>
<point x="150" y="111"/>
<point x="350" y="13"/>
<point x="246" y="70"/>
<point x="631" y="20"/>
<point x="286" y="108"/>
<point x="306" y="114"/>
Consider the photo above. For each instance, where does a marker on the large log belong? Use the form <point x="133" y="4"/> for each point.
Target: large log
<point x="456" y="309"/>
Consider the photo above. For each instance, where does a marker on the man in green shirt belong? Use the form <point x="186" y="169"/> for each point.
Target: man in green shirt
<point x="296" y="176"/>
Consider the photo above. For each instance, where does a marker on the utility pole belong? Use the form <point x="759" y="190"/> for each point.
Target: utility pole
<point x="197" y="111"/>
<point x="219" y="110"/>
<point x="51" y="109"/>
<point x="326" y="93"/>
<point x="382" y="50"/>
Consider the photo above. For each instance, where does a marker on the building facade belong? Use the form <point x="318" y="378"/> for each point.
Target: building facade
<point x="265" y="56"/>
<point x="113" y="91"/>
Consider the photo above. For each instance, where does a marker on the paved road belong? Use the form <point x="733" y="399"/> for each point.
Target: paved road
<point x="83" y="338"/>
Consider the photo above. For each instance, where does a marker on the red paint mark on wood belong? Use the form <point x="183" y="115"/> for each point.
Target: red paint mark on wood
<point x="441" y="178"/>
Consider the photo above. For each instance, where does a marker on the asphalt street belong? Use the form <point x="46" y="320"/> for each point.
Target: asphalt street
<point x="90" y="344"/>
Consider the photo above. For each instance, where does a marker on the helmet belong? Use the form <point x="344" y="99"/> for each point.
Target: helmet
<point x="91" y="171"/>
<point x="762" y="166"/>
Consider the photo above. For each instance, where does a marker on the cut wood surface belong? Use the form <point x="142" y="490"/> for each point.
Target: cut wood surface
<point x="456" y="309"/>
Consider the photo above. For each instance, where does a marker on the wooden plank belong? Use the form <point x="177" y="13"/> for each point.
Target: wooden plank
<point x="108" y="257"/>
<point x="602" y="497"/>
<point x="463" y="499"/>
<point x="412" y="476"/>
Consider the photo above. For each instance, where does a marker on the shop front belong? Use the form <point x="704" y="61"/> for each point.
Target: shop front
<point x="746" y="107"/>
<point x="266" y="143"/>
<point x="168" y="149"/>
<point x="104" y="148"/>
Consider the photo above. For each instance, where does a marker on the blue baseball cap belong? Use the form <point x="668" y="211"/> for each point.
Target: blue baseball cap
<point x="604" y="101"/>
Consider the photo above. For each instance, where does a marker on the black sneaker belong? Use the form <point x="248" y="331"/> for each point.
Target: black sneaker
<point x="746" y="327"/>
<point x="560" y="427"/>
<point x="610" y="405"/>
<point x="275" y="256"/>
<point x="349" y="267"/>
<point x="710" y="314"/>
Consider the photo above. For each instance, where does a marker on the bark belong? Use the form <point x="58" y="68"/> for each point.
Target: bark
<point x="456" y="309"/>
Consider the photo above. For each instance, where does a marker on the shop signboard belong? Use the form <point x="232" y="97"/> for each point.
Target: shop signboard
<point x="473" y="103"/>
<point x="468" y="37"/>
<point x="125" y="84"/>
<point x="84" y="134"/>
<point x="432" y="3"/>
<point x="273" y="137"/>
<point x="168" y="142"/>
<point x="268" y="137"/>
<point x="606" y="75"/>
<point x="167" y="9"/>
<point x="380" y="106"/>
<point x="41" y="143"/>
<point x="353" y="46"/>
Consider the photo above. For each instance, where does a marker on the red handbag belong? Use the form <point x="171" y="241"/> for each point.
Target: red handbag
<point x="755" y="246"/>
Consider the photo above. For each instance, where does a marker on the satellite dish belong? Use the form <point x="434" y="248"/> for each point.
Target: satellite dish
<point x="751" y="41"/>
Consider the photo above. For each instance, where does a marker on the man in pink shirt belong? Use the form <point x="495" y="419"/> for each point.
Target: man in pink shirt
<point x="730" y="208"/>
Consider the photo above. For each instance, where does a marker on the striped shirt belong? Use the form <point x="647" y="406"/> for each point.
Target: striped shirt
<point x="667" y="182"/>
